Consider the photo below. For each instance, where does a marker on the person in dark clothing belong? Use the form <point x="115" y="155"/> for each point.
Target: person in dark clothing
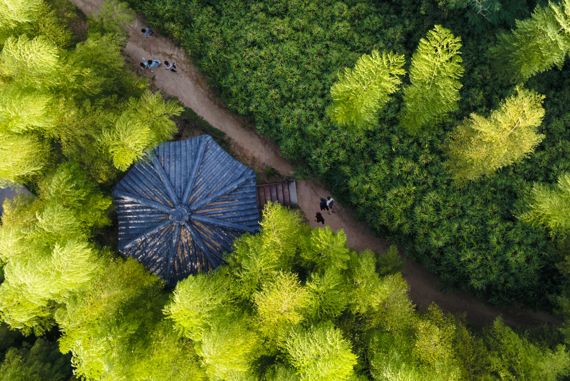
<point x="324" y="205"/>
<point x="150" y="64"/>
<point x="147" y="32"/>
<point x="319" y="218"/>
<point x="170" y="66"/>
<point x="330" y="203"/>
<point x="153" y="64"/>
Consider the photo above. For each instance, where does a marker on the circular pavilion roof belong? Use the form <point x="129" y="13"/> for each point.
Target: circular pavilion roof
<point x="183" y="206"/>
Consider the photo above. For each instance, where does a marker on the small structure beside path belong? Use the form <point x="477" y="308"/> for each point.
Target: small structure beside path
<point x="180" y="209"/>
<point x="284" y="193"/>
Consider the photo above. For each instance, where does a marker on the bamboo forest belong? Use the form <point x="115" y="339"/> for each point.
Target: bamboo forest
<point x="284" y="190"/>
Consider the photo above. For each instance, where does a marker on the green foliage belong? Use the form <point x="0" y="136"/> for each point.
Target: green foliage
<point x="21" y="157"/>
<point x="16" y="12"/>
<point x="71" y="188"/>
<point x="321" y="353"/>
<point x="434" y="343"/>
<point x="281" y="373"/>
<point x="439" y="348"/>
<point x="435" y="77"/>
<point x="114" y="329"/>
<point x="426" y="351"/>
<point x="229" y="349"/>
<point x="381" y="301"/>
<point x="38" y="362"/>
<point x="481" y="6"/>
<point x="222" y="335"/>
<point x="79" y="101"/>
<point x="44" y="245"/>
<point x="204" y="310"/>
<point x="111" y="321"/>
<point x="281" y="305"/>
<point x="323" y="322"/>
<point x="30" y="62"/>
<point x="329" y="298"/>
<point x="361" y="92"/>
<point x="25" y="111"/>
<point x="280" y="237"/>
<point x="537" y="43"/>
<point x="550" y="206"/>
<point x="397" y="182"/>
<point x="327" y="249"/>
<point x="290" y="312"/>
<point x="480" y="146"/>
<point x="512" y="357"/>
<point x="145" y="123"/>
<point x="197" y="300"/>
<point x="390" y="262"/>
<point x="114" y="17"/>
<point x="31" y="17"/>
<point x="95" y="76"/>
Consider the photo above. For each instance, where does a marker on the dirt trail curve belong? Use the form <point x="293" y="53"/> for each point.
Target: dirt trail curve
<point x="190" y="87"/>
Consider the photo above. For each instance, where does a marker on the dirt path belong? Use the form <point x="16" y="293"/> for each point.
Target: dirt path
<point x="191" y="88"/>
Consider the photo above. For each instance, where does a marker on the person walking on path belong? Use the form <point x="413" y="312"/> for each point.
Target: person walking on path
<point x="330" y="203"/>
<point x="319" y="218"/>
<point x="324" y="205"/>
<point x="170" y="66"/>
<point x="150" y="64"/>
<point x="147" y="32"/>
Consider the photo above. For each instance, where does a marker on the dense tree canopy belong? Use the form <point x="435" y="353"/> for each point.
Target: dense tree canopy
<point x="45" y="248"/>
<point x="537" y="43"/>
<point x="318" y="311"/>
<point x="550" y="206"/>
<point x="435" y="77"/>
<point x="480" y="146"/>
<point x="276" y="63"/>
<point x="361" y="92"/>
<point x="291" y="303"/>
<point x="31" y="359"/>
<point x="76" y="101"/>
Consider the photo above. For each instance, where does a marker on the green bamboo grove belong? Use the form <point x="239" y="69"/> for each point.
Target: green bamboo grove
<point x="447" y="154"/>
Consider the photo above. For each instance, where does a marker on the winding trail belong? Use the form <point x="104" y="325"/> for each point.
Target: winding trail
<point x="191" y="88"/>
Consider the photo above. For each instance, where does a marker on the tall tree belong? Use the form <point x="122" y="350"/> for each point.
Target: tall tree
<point x="31" y="17"/>
<point x="512" y="357"/>
<point x="35" y="362"/>
<point x="435" y="77"/>
<point x="115" y="331"/>
<point x="480" y="146"/>
<point x="537" y="43"/>
<point x="30" y="62"/>
<point x="550" y="206"/>
<point x="22" y="156"/>
<point x="364" y="90"/>
<point x="281" y="305"/>
<point x="144" y="123"/>
<point x="258" y="259"/>
<point x="321" y="353"/>
<point x="204" y="309"/>
<point x="44" y="245"/>
<point x="80" y="101"/>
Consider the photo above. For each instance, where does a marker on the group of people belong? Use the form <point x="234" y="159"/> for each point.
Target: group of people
<point x="326" y="204"/>
<point x="155" y="63"/>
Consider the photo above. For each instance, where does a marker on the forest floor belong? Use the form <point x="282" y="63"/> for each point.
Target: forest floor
<point x="192" y="90"/>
